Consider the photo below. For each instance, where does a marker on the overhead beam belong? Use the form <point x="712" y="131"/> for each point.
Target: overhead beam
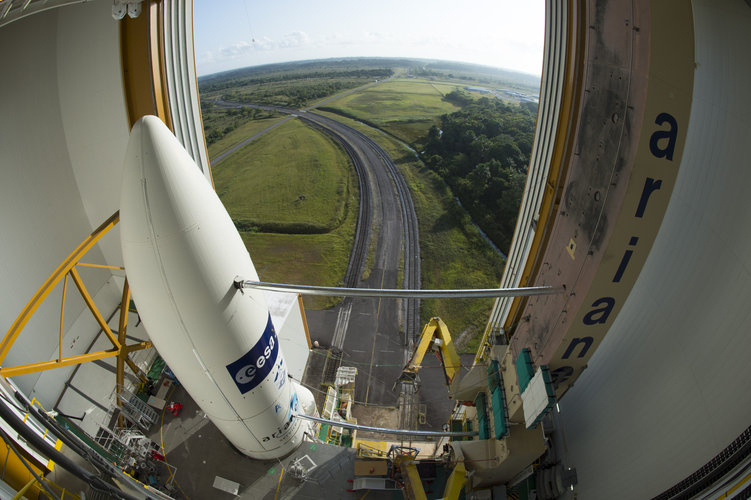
<point x="400" y="293"/>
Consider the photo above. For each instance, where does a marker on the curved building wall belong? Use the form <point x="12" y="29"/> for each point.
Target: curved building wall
<point x="63" y="131"/>
<point x="668" y="387"/>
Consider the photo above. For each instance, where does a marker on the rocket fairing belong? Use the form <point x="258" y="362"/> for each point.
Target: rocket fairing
<point x="182" y="255"/>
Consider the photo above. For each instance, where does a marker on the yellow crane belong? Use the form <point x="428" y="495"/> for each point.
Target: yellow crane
<point x="435" y="336"/>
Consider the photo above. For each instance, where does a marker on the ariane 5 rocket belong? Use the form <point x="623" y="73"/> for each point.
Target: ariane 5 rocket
<point x="182" y="255"/>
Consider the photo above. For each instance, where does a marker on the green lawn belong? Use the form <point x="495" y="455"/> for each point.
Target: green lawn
<point x="293" y="180"/>
<point x="406" y="108"/>
<point x="263" y="182"/>
<point x="305" y="259"/>
<point x="247" y="129"/>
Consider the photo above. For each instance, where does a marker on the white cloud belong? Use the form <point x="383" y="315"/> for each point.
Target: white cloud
<point x="264" y="43"/>
<point x="236" y="50"/>
<point x="205" y="57"/>
<point x="294" y="39"/>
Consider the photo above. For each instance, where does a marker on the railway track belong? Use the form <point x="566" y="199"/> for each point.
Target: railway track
<point x="408" y="399"/>
<point x="362" y="231"/>
<point x="411" y="236"/>
<point x="381" y="185"/>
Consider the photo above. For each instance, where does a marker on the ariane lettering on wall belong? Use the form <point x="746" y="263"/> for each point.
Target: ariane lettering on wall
<point x="662" y="144"/>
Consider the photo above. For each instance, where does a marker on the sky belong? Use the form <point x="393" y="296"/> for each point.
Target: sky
<point x="233" y="34"/>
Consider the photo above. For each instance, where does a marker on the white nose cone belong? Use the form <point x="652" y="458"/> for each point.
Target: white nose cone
<point x="182" y="254"/>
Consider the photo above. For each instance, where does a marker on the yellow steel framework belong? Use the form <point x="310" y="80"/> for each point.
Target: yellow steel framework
<point x="65" y="270"/>
<point x="434" y="334"/>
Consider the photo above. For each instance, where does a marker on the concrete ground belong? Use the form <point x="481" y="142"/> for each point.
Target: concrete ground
<point x="201" y="454"/>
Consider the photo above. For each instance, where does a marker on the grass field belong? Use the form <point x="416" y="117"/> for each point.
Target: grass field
<point x="262" y="185"/>
<point x="453" y="253"/>
<point x="305" y="259"/>
<point x="247" y="129"/>
<point x="263" y="182"/>
<point x="405" y="108"/>
<point x="294" y="180"/>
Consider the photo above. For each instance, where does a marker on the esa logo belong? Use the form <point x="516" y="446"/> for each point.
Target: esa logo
<point x="253" y="367"/>
<point x="248" y="373"/>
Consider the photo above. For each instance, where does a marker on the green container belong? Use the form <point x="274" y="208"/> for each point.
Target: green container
<point x="499" y="414"/>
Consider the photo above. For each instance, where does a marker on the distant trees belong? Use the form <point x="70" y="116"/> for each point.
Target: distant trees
<point x="218" y="122"/>
<point x="245" y="81"/>
<point x="458" y="97"/>
<point x="294" y="96"/>
<point x="482" y="152"/>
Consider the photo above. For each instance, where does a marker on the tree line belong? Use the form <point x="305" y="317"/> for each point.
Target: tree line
<point x="218" y="122"/>
<point x="377" y="73"/>
<point x="482" y="152"/>
<point x="292" y="96"/>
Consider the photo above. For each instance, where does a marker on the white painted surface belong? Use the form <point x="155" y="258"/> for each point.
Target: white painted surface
<point x="668" y="387"/>
<point x="182" y="254"/>
<point x="92" y="110"/>
<point x="223" y="484"/>
<point x="44" y="211"/>
<point x="287" y="316"/>
<point x="534" y="399"/>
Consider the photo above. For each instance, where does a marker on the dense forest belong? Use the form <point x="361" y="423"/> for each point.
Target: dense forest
<point x="482" y="152"/>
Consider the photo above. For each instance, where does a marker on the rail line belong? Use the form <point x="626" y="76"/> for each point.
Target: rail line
<point x="411" y="235"/>
<point x="362" y="231"/>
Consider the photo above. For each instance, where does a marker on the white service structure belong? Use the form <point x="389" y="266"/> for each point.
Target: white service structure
<point x="182" y="255"/>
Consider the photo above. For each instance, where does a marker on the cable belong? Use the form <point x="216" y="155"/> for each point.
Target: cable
<point x="58" y="457"/>
<point x="60" y="432"/>
<point x="11" y="446"/>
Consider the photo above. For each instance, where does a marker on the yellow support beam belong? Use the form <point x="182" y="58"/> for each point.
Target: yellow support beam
<point x="122" y="356"/>
<point x="137" y="347"/>
<point x="12" y="371"/>
<point x="93" y="308"/>
<point x="62" y="320"/>
<point x="455" y="482"/>
<point x="413" y="489"/>
<point x="101" y="266"/>
<point x="22" y="492"/>
<point x="49" y="285"/>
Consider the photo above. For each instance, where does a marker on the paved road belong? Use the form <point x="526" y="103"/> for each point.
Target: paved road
<point x="215" y="161"/>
